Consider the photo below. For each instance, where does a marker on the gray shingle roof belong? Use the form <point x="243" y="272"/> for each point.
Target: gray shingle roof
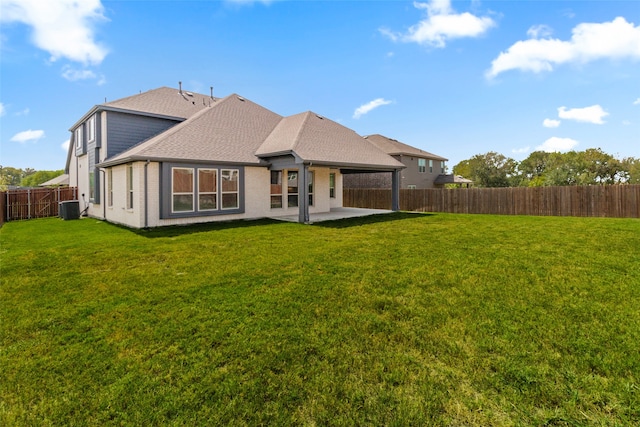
<point x="394" y="147"/>
<point x="236" y="130"/>
<point x="231" y="130"/>
<point x="322" y="141"/>
<point x="163" y="101"/>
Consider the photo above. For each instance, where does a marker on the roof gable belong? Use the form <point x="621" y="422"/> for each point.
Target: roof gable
<point x="316" y="139"/>
<point x="394" y="147"/>
<point x="231" y="130"/>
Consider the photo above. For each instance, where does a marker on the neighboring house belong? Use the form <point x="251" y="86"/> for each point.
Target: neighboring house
<point x="422" y="168"/>
<point x="58" y="181"/>
<point x="169" y="156"/>
<point x="453" y="180"/>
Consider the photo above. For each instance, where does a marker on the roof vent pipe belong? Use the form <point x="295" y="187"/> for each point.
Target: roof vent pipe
<point x="211" y="87"/>
<point x="180" y="85"/>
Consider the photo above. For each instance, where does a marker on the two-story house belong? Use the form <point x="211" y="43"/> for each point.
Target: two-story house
<point x="169" y="156"/>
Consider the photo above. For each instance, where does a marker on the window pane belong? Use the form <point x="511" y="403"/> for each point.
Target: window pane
<point x="276" y="183"/>
<point x="207" y="202"/>
<point x="292" y="183"/>
<point x="92" y="185"/>
<point x="310" y="177"/>
<point x="229" y="180"/>
<point x="183" y="203"/>
<point x="332" y="185"/>
<point x="230" y="201"/>
<point x="207" y="180"/>
<point x="182" y="180"/>
<point x="292" y="200"/>
<point x="276" y="202"/>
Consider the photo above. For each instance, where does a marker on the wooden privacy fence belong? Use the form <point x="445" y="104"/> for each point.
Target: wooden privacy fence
<point x="30" y="203"/>
<point x="621" y="201"/>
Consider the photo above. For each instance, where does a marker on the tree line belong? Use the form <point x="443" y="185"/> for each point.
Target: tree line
<point x="14" y="177"/>
<point x="589" y="167"/>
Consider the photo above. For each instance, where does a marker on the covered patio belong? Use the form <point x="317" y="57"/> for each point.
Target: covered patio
<point x="334" y="214"/>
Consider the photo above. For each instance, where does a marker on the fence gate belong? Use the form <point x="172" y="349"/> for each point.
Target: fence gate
<point x="30" y="203"/>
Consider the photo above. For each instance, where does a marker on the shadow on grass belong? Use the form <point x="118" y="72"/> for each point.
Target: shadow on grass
<point x="181" y="230"/>
<point x="370" y="219"/>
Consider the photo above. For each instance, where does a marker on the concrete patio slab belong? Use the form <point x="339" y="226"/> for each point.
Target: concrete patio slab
<point x="334" y="214"/>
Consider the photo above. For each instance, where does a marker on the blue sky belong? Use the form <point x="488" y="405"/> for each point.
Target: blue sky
<point x="456" y="78"/>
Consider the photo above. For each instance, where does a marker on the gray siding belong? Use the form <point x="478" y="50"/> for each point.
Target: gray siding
<point x="126" y="130"/>
<point x="81" y="147"/>
<point x="409" y="176"/>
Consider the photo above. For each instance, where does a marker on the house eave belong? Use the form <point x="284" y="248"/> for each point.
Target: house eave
<point x="130" y="159"/>
<point x="424" y="155"/>
<point x="98" y="108"/>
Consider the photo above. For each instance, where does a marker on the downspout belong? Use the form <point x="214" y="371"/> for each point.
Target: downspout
<point x="104" y="195"/>
<point x="77" y="177"/>
<point x="146" y="195"/>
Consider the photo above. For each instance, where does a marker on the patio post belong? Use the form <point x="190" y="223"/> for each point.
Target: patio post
<point x="395" y="190"/>
<point x="303" y="194"/>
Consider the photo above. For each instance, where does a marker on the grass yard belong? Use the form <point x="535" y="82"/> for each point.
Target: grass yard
<point x="404" y="319"/>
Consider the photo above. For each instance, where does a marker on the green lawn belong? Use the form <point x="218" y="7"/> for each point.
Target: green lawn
<point x="404" y="319"/>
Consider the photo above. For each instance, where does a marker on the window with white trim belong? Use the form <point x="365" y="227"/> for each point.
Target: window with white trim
<point x="207" y="189"/>
<point x="110" y="184"/>
<point x="91" y="129"/>
<point x="182" y="190"/>
<point x="442" y="166"/>
<point x="229" y="179"/>
<point x="422" y="165"/>
<point x="78" y="136"/>
<point x="292" y="189"/>
<point x="130" y="186"/>
<point x="276" y="189"/>
<point x="332" y="185"/>
<point x="92" y="185"/>
<point x="430" y="166"/>
<point x="310" y="179"/>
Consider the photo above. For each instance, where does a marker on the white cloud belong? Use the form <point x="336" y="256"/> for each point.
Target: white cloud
<point x="593" y="114"/>
<point x="441" y="24"/>
<point x="538" y="31"/>
<point x="589" y="42"/>
<point x="555" y="144"/>
<point x="365" y="108"/>
<point x="65" y="145"/>
<point x="636" y="102"/>
<point x="520" y="150"/>
<point x="28" y="135"/>
<point x="550" y="123"/>
<point x="72" y="74"/>
<point x="24" y="112"/>
<point x="64" y="28"/>
<point x="2" y="109"/>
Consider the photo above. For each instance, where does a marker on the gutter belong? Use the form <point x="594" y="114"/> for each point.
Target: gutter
<point x="146" y="194"/>
<point x="104" y="194"/>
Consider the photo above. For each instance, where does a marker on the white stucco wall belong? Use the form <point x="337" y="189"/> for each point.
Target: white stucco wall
<point x="257" y="197"/>
<point x="118" y="211"/>
<point x="81" y="178"/>
<point x="336" y="202"/>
